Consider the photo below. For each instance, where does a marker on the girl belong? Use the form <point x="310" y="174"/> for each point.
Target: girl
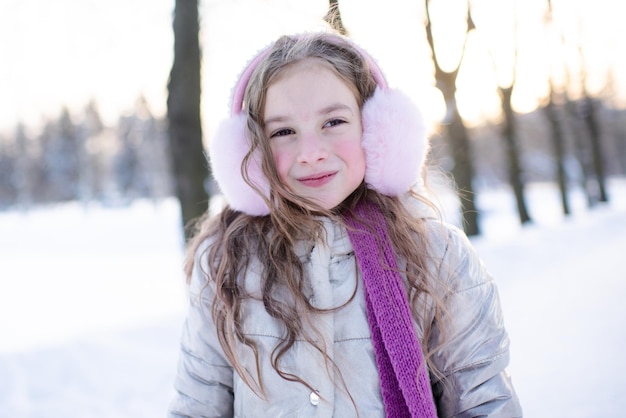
<point x="326" y="287"/>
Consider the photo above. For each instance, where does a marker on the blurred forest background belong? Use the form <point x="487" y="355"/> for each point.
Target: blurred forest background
<point x="565" y="124"/>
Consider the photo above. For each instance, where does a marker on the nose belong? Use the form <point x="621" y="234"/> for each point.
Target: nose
<point x="312" y="149"/>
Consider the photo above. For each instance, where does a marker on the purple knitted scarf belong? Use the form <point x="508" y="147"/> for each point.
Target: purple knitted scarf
<point x="403" y="373"/>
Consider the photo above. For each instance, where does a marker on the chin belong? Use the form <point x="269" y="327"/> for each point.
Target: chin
<point x="325" y="204"/>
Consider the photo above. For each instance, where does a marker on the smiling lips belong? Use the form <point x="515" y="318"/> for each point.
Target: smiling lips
<point x="317" y="180"/>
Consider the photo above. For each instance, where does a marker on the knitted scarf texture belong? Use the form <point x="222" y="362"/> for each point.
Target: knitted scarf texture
<point x="405" y="383"/>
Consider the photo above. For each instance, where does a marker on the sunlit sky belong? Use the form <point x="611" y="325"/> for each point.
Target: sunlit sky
<point x="68" y="52"/>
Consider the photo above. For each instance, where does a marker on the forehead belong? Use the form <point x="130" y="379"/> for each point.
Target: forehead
<point x="310" y="64"/>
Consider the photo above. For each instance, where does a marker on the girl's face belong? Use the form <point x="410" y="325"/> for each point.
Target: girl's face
<point x="313" y="122"/>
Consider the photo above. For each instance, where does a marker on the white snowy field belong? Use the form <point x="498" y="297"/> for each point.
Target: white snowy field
<point x="92" y="300"/>
<point x="563" y="290"/>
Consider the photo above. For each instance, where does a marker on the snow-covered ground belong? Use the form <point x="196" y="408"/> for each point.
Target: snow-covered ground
<point x="563" y="290"/>
<point x="92" y="300"/>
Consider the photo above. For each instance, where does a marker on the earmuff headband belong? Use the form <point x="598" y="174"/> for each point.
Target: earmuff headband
<point x="240" y="88"/>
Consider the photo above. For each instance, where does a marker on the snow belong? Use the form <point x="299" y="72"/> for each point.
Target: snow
<point x="92" y="301"/>
<point x="563" y="287"/>
<point x="91" y="304"/>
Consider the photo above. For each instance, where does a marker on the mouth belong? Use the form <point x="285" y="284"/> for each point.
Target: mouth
<point x="317" y="180"/>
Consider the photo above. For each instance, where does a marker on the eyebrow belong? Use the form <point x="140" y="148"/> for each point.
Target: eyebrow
<point x="323" y="111"/>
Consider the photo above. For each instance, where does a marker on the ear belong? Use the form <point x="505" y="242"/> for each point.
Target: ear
<point x="394" y="140"/>
<point x="226" y="153"/>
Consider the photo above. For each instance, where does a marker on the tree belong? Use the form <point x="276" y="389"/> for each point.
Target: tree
<point x="21" y="163"/>
<point x="91" y="176"/>
<point x="10" y="171"/>
<point x="189" y="165"/>
<point x="509" y="131"/>
<point x="581" y="143"/>
<point x="590" y="113"/>
<point x="457" y="134"/>
<point x="60" y="156"/>
<point x="586" y="128"/>
<point x="558" y="146"/>
<point x="510" y="137"/>
<point x="555" y="119"/>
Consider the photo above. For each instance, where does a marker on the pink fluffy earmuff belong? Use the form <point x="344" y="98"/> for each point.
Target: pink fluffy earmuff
<point x="394" y="141"/>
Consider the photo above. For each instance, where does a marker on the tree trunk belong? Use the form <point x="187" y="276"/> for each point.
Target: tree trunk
<point x="581" y="149"/>
<point x="590" y="114"/>
<point x="515" y="176"/>
<point x="457" y="135"/>
<point x="559" y="152"/>
<point x="463" y="171"/>
<point x="189" y="165"/>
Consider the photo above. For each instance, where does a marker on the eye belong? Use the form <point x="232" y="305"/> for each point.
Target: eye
<point x="282" y="132"/>
<point x="334" y="122"/>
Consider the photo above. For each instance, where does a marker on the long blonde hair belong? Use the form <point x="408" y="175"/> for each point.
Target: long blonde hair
<point x="238" y="239"/>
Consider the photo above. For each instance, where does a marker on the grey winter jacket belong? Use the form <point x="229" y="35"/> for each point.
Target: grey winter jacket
<point x="473" y="360"/>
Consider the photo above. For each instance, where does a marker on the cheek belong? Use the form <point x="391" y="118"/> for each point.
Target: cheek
<point x="282" y="163"/>
<point x="354" y="156"/>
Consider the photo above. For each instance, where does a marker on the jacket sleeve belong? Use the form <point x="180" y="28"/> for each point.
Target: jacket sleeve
<point x="475" y="353"/>
<point x="204" y="380"/>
